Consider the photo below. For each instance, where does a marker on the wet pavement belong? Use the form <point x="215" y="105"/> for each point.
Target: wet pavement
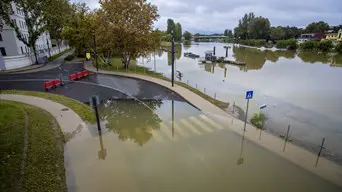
<point x="104" y="85"/>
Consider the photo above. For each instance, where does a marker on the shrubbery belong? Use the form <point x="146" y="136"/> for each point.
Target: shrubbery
<point x="258" y="120"/>
<point x="338" y="47"/>
<point x="324" y="45"/>
<point x="289" y="44"/>
<point x="69" y="57"/>
<point x="253" y="42"/>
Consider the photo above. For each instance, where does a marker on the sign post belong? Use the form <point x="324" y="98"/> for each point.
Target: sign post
<point x="173" y="58"/>
<point x="249" y="95"/>
<point x="263" y="119"/>
<point x="95" y="101"/>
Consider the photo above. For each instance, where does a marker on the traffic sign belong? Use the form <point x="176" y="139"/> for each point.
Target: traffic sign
<point x="249" y="94"/>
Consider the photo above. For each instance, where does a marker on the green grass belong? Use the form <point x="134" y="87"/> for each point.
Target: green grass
<point x="12" y="122"/>
<point x="84" y="111"/>
<point x="133" y="68"/>
<point x="53" y="57"/>
<point x="44" y="165"/>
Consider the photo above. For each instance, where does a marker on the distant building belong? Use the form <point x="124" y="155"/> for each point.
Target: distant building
<point x="310" y="37"/>
<point x="339" y="35"/>
<point x="330" y="35"/>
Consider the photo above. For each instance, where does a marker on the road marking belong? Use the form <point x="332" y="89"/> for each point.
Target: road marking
<point x="191" y="127"/>
<point x="179" y="130"/>
<point x="167" y="131"/>
<point x="210" y="121"/>
<point x="201" y="124"/>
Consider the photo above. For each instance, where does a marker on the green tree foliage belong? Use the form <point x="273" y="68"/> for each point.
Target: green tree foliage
<point x="55" y="20"/>
<point x="309" y="45"/>
<point x="241" y="31"/>
<point x="124" y="27"/>
<point x="178" y="32"/>
<point x="277" y="33"/>
<point x="325" y="45"/>
<point x="34" y="15"/>
<point x="289" y="44"/>
<point x="79" y="31"/>
<point x="187" y="35"/>
<point x="258" y="120"/>
<point x="259" y="28"/>
<point x="171" y="26"/>
<point x="338" y="47"/>
<point x="319" y="26"/>
<point x="228" y="33"/>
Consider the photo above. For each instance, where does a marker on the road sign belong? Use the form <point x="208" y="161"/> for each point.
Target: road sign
<point x="249" y="94"/>
<point x="263" y="106"/>
<point x="94" y="102"/>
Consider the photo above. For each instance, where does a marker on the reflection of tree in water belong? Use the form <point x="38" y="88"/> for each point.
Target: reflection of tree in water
<point x="187" y="46"/>
<point x="290" y="54"/>
<point x="208" y="67"/>
<point x="160" y="52"/>
<point x="337" y="60"/>
<point x="130" y="119"/>
<point x="178" y="53"/>
<point x="271" y="56"/>
<point x="254" y="58"/>
<point x="314" y="56"/>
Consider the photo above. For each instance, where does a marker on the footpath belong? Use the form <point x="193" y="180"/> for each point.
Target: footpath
<point x="39" y="67"/>
<point x="326" y="169"/>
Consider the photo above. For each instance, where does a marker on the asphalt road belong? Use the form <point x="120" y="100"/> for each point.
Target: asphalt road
<point x="107" y="86"/>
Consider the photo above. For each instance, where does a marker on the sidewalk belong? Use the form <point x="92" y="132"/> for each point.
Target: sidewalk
<point x="326" y="169"/>
<point x="38" y="67"/>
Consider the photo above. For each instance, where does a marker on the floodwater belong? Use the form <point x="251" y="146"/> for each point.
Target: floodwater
<point x="165" y="145"/>
<point x="301" y="89"/>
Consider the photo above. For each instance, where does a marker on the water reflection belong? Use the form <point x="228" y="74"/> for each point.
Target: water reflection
<point x="131" y="120"/>
<point x="178" y="53"/>
<point x="102" y="153"/>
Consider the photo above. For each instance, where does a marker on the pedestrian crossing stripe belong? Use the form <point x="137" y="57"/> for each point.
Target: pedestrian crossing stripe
<point x="202" y="125"/>
<point x="180" y="130"/>
<point x="210" y="121"/>
<point x="167" y="131"/>
<point x="191" y="127"/>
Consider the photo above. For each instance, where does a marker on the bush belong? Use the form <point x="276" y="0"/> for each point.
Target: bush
<point x="289" y="44"/>
<point x="338" y="47"/>
<point x="325" y="45"/>
<point x="309" y="45"/>
<point x="253" y="42"/>
<point x="69" y="57"/>
<point x="258" y="120"/>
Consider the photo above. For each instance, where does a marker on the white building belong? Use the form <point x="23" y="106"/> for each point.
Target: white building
<point x="14" y="52"/>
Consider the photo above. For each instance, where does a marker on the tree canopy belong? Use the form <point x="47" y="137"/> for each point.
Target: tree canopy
<point x="319" y="26"/>
<point x="228" y="33"/>
<point x="178" y="32"/>
<point x="187" y="35"/>
<point x="171" y="26"/>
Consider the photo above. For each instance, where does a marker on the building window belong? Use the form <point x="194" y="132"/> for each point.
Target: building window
<point x="3" y="51"/>
<point x="1" y="37"/>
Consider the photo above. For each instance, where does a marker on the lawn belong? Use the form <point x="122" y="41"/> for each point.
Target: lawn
<point x="83" y="110"/>
<point x="115" y="65"/>
<point x="42" y="166"/>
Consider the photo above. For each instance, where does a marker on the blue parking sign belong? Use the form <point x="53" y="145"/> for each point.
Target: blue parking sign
<point x="249" y="94"/>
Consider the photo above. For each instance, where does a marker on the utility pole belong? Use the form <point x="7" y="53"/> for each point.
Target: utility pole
<point x="173" y="58"/>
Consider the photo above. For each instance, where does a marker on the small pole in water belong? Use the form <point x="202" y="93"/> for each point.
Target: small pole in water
<point x="320" y="151"/>
<point x="187" y="81"/>
<point x="196" y="86"/>
<point x="215" y="96"/>
<point x="214" y="50"/>
<point x="287" y="137"/>
<point x="204" y="90"/>
<point x="233" y="106"/>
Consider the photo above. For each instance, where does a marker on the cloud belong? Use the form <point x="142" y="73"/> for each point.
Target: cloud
<point x="215" y="16"/>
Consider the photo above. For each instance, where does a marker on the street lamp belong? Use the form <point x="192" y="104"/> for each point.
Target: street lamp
<point x="96" y="64"/>
<point x="173" y="58"/>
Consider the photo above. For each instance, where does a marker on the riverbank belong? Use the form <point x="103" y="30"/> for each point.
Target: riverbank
<point x="32" y="146"/>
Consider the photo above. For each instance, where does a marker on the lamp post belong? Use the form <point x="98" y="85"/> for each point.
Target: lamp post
<point x="96" y="64"/>
<point x="173" y="58"/>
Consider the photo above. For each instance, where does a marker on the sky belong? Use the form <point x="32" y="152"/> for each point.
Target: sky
<point x="214" y="16"/>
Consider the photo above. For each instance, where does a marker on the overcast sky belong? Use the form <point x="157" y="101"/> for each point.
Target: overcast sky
<point x="207" y="16"/>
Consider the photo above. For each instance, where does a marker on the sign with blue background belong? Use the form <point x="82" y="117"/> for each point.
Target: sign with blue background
<point x="249" y="94"/>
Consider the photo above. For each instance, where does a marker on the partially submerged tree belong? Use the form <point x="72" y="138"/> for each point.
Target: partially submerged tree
<point x="187" y="35"/>
<point x="178" y="32"/>
<point x="125" y="28"/>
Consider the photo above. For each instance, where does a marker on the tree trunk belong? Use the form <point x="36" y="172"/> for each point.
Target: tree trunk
<point x="35" y="54"/>
<point x="59" y="48"/>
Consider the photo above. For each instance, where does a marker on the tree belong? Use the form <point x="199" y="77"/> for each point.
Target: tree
<point x="34" y="11"/>
<point x="178" y="32"/>
<point x="55" y="20"/>
<point x="319" y="26"/>
<point x="79" y="31"/>
<point x="187" y="35"/>
<point x="241" y="31"/>
<point x="228" y="33"/>
<point x="259" y="28"/>
<point x="277" y="33"/>
<point x="170" y="26"/>
<point x="125" y="28"/>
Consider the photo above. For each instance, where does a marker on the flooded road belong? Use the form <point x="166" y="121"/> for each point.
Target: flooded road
<point x="300" y="89"/>
<point x="148" y="147"/>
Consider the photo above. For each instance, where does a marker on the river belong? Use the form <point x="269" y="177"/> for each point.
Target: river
<point x="301" y="89"/>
